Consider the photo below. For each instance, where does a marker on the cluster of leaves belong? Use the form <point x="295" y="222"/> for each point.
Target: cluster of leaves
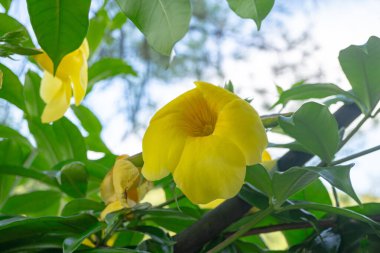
<point x="49" y="188"/>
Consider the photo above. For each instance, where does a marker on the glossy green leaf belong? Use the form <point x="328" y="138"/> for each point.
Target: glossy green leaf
<point x="253" y="9"/>
<point x="287" y="183"/>
<point x="308" y="91"/>
<point x="37" y="203"/>
<point x="60" y="26"/>
<point x="70" y="244"/>
<point x="77" y="206"/>
<point x="259" y="177"/>
<point x="360" y="64"/>
<point x="108" y="68"/>
<point x="33" y="102"/>
<point x="73" y="179"/>
<point x="157" y="234"/>
<point x="11" y="89"/>
<point x="21" y="234"/>
<point x="163" y="22"/>
<point x="315" y="128"/>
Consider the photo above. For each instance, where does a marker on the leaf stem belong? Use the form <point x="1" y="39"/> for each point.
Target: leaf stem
<point x="353" y="131"/>
<point x="336" y="198"/>
<point x="356" y="155"/>
<point x="168" y="202"/>
<point x="244" y="229"/>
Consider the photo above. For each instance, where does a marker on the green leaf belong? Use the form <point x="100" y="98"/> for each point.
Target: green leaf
<point x="307" y="91"/>
<point x="92" y="125"/>
<point x="314" y="127"/>
<point x="59" y="141"/>
<point x="253" y="9"/>
<point x="170" y="219"/>
<point x="77" y="206"/>
<point x="336" y="210"/>
<point x="157" y="234"/>
<point x="11" y="43"/>
<point x="96" y="29"/>
<point x="12" y="152"/>
<point x="259" y="177"/>
<point x="60" y="26"/>
<point x="33" y="102"/>
<point x="270" y="121"/>
<point x="20" y="234"/>
<point x="11" y="89"/>
<point x="9" y="24"/>
<point x="37" y="203"/>
<point x="6" y="4"/>
<point x="27" y="173"/>
<point x="163" y="22"/>
<point x="285" y="184"/>
<point x="73" y="179"/>
<point x="107" y="68"/>
<point x="9" y="133"/>
<point x="112" y="250"/>
<point x="360" y="64"/>
<point x="118" y="21"/>
<point x="315" y="192"/>
<point x="70" y="244"/>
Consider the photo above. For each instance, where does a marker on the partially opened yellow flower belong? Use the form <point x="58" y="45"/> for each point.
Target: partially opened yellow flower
<point x="70" y="77"/>
<point x="205" y="138"/>
<point x="123" y="186"/>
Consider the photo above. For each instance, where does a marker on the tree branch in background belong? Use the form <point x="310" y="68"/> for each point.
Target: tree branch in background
<point x="193" y="238"/>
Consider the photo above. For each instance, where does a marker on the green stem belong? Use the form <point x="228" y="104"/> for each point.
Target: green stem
<point x="353" y="156"/>
<point x="353" y="132"/>
<point x="336" y="198"/>
<point x="168" y="202"/>
<point x="244" y="229"/>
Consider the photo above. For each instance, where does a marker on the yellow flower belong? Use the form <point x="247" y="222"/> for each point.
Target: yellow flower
<point x="205" y="138"/>
<point x="266" y="161"/>
<point x="123" y="186"/>
<point x="70" y="77"/>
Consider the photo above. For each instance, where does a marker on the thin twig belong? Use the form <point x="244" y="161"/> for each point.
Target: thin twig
<point x="356" y="155"/>
<point x="168" y="202"/>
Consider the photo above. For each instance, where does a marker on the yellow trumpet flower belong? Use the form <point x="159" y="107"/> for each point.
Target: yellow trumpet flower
<point x="205" y="138"/>
<point x="123" y="186"/>
<point x="70" y="77"/>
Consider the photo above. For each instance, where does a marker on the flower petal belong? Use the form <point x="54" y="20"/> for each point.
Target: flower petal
<point x="124" y="176"/>
<point x="44" y="61"/>
<point x="163" y="143"/>
<point x="107" y="191"/>
<point x="58" y="105"/>
<point x="210" y="168"/>
<point x="215" y="96"/>
<point x="112" y="207"/>
<point x="79" y="79"/>
<point x="50" y="85"/>
<point x="241" y="124"/>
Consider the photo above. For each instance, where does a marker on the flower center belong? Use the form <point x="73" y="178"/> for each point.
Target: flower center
<point x="200" y="119"/>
